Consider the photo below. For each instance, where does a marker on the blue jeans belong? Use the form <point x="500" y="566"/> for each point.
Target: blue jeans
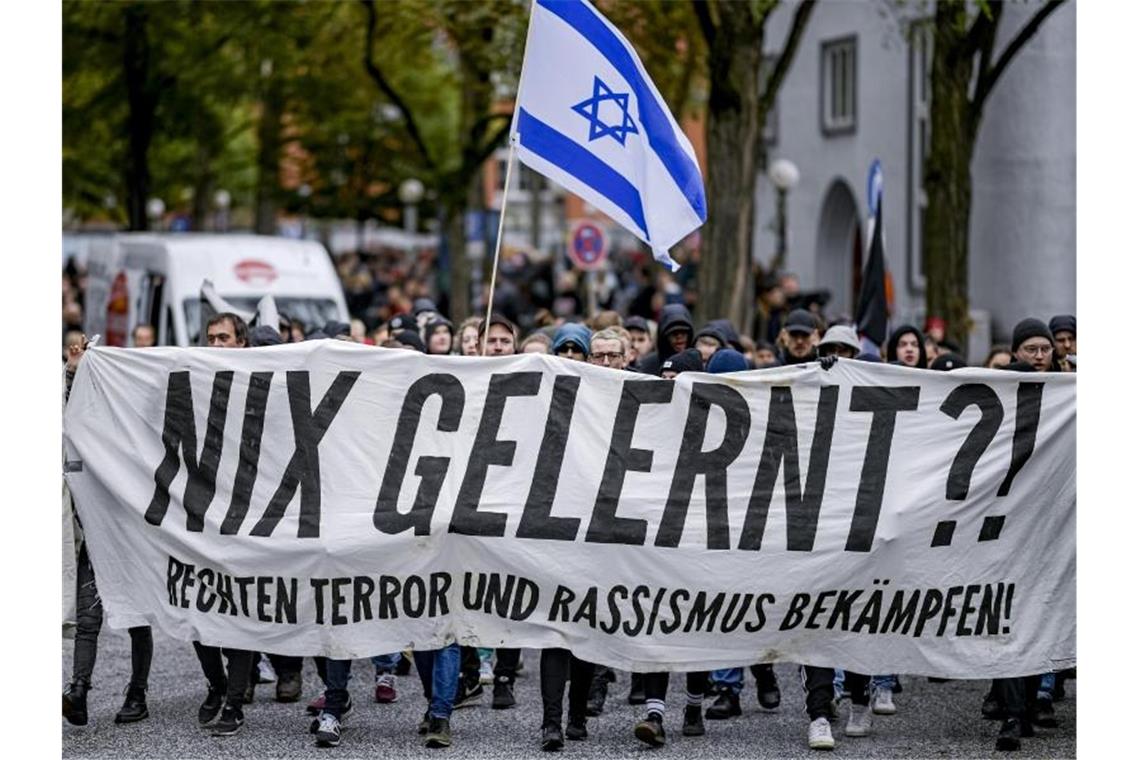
<point x="731" y="679"/>
<point x="337" y="675"/>
<point x="1045" y="690"/>
<point x="439" y="674"/>
<point x="877" y="682"/>
<point x="386" y="663"/>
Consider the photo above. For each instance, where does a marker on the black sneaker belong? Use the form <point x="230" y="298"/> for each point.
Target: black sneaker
<point x="503" y="695"/>
<point x="636" y="689"/>
<point x="438" y="733"/>
<point x="470" y="693"/>
<point x="134" y="707"/>
<point x="693" y="725"/>
<point x="727" y="705"/>
<point x="231" y="721"/>
<point x="211" y="706"/>
<point x="651" y="731"/>
<point x="1009" y="739"/>
<point x="576" y="730"/>
<point x="328" y="730"/>
<point x="1044" y="715"/>
<point x="551" y="739"/>
<point x="75" y="703"/>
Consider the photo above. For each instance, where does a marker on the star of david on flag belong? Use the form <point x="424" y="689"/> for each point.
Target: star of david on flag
<point x="589" y="118"/>
<point x="590" y="107"/>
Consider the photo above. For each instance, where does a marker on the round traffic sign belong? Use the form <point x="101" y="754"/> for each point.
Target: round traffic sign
<point x="588" y="245"/>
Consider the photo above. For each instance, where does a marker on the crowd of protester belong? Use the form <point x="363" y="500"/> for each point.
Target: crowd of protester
<point x="649" y="330"/>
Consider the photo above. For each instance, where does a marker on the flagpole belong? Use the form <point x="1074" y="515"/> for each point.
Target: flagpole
<point x="506" y="186"/>
<point x="498" y="246"/>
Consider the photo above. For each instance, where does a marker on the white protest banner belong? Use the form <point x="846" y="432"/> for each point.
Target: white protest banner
<point x="337" y="499"/>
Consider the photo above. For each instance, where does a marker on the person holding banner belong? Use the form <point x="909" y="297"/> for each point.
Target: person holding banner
<point x="799" y="338"/>
<point x="89" y="618"/>
<point x="226" y="684"/>
<point x="1022" y="703"/>
<point x="651" y="729"/>
<point x="558" y="665"/>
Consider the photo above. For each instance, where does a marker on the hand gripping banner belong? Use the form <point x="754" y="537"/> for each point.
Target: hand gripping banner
<point x="327" y="498"/>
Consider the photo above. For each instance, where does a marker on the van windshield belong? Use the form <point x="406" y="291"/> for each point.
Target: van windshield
<point x="312" y="312"/>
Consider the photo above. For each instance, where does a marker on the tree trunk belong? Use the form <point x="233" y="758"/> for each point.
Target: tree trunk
<point x="733" y="123"/>
<point x="141" y="102"/>
<point x="269" y="157"/>
<point x="459" y="296"/>
<point x="947" y="180"/>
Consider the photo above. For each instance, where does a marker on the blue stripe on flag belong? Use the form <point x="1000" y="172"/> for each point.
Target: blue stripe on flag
<point x="547" y="142"/>
<point x="658" y="124"/>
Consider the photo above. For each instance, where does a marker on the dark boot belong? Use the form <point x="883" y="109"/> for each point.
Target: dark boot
<point x="134" y="706"/>
<point x="651" y="731"/>
<point x="693" y="725"/>
<point x="288" y="687"/>
<point x="727" y="705"/>
<point x="767" y="687"/>
<point x="1009" y="739"/>
<point x="551" y="738"/>
<point x="75" y="702"/>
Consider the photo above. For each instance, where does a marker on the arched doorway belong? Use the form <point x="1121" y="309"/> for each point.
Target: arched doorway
<point x="839" y="249"/>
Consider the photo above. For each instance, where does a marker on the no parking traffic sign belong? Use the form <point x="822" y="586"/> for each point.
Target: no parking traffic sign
<point x="588" y="245"/>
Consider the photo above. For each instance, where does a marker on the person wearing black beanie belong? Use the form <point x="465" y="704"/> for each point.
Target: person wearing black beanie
<point x="411" y="339"/>
<point x="688" y="360"/>
<point x="1033" y="344"/>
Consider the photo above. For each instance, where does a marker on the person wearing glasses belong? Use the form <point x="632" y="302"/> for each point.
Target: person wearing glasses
<point x="609" y="348"/>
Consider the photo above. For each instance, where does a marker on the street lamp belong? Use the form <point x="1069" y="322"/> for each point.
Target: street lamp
<point x="155" y="208"/>
<point x="411" y="192"/>
<point x="222" y="200"/>
<point x="784" y="176"/>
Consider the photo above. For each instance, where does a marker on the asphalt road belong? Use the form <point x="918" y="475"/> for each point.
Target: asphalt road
<point x="935" y="720"/>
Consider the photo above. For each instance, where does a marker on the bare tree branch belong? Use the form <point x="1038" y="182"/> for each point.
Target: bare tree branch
<point x="386" y="88"/>
<point x="787" y="55"/>
<point x="988" y="77"/>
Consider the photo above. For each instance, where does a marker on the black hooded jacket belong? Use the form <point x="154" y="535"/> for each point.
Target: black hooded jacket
<point x="896" y="336"/>
<point x="672" y="315"/>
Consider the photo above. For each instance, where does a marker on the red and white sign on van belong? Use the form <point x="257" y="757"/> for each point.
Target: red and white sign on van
<point x="254" y="272"/>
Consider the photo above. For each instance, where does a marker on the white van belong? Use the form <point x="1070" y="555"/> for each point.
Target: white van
<point x="156" y="279"/>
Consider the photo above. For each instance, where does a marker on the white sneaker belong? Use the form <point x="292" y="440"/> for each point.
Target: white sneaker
<point x="859" y="721"/>
<point x="328" y="731"/>
<point x="486" y="672"/>
<point x="819" y="734"/>
<point x="884" y="702"/>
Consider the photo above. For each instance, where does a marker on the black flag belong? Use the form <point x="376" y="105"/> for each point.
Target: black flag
<point x="871" y="316"/>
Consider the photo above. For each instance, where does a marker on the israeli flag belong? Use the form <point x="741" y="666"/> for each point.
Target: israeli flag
<point x="589" y="118"/>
